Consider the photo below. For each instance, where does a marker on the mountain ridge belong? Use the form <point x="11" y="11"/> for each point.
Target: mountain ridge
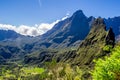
<point x="66" y="51"/>
<point x="67" y="34"/>
<point x="110" y="22"/>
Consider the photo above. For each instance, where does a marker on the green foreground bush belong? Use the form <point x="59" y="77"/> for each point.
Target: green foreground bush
<point x="108" y="69"/>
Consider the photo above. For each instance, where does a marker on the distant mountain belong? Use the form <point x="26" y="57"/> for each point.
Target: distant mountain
<point x="8" y="35"/>
<point x="54" y="37"/>
<point x="114" y="23"/>
<point x="14" y="45"/>
<point x="67" y="32"/>
<point x="71" y="31"/>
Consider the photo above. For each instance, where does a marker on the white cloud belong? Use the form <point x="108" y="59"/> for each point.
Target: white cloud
<point x="67" y="15"/>
<point x="31" y="30"/>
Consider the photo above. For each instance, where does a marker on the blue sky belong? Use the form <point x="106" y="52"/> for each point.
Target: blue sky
<point x="31" y="12"/>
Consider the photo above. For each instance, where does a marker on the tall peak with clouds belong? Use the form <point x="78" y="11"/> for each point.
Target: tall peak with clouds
<point x="67" y="32"/>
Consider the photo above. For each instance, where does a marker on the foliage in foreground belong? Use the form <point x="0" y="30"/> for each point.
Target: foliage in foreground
<point x="108" y="69"/>
<point x="21" y="73"/>
<point x="51" y="71"/>
<point x="61" y="71"/>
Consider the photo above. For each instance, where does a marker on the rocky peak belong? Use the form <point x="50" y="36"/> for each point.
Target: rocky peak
<point x="99" y="23"/>
<point x="79" y="13"/>
<point x="110" y="38"/>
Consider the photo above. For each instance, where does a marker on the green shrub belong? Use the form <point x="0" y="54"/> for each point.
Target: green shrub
<point x="107" y="48"/>
<point x="62" y="72"/>
<point x="108" y="69"/>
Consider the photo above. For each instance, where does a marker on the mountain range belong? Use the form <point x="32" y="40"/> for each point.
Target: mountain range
<point x="77" y="41"/>
<point x="66" y="34"/>
<point x="71" y="21"/>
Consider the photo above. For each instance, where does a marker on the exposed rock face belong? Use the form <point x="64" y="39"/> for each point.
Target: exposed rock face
<point x="110" y="38"/>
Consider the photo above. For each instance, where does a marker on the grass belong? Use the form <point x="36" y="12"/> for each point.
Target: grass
<point x="22" y="73"/>
<point x="32" y="70"/>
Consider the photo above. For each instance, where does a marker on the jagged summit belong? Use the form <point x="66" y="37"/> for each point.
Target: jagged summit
<point x="99" y="21"/>
<point x="110" y="38"/>
<point x="79" y="13"/>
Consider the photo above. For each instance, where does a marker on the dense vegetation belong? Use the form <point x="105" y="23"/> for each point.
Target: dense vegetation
<point x="108" y="68"/>
<point x="52" y="71"/>
<point x="18" y="72"/>
<point x="105" y="69"/>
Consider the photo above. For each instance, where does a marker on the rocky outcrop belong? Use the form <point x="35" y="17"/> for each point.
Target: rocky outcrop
<point x="110" y="38"/>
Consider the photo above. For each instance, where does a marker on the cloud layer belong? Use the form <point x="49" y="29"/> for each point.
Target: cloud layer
<point x="31" y="30"/>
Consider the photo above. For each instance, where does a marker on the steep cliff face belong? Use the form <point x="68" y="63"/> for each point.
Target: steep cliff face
<point x="110" y="38"/>
<point x="92" y="46"/>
